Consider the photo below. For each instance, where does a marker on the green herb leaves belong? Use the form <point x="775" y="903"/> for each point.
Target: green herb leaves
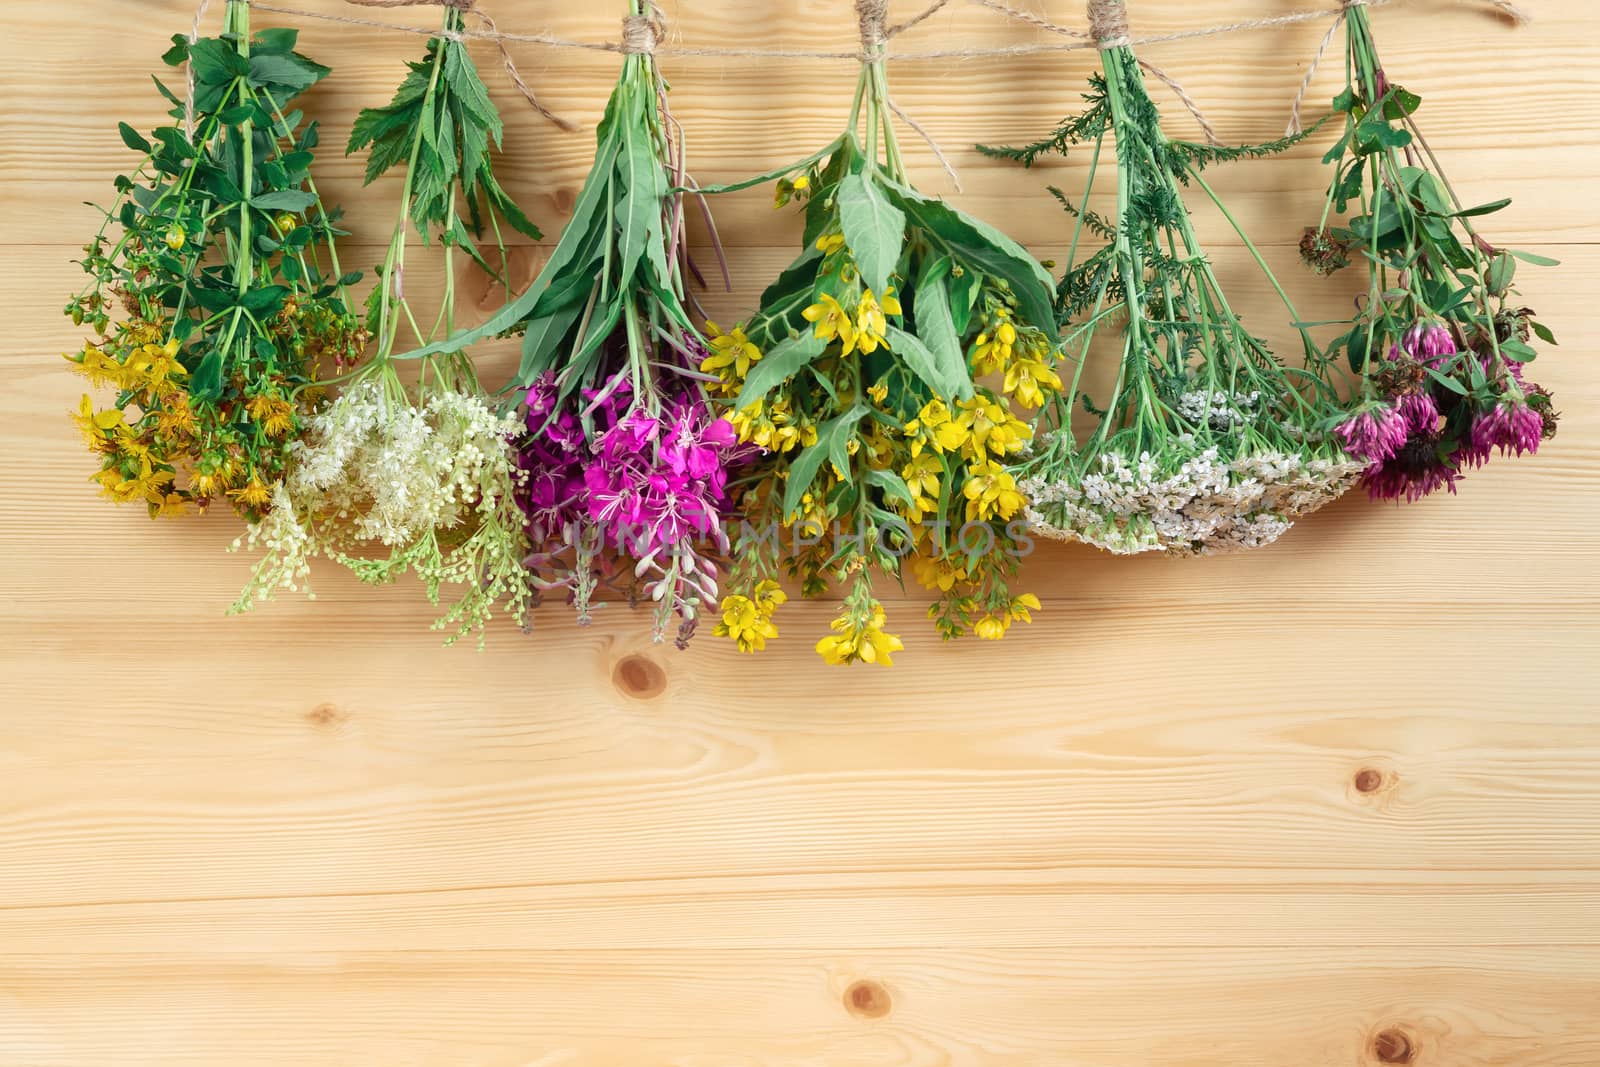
<point x="443" y="124"/>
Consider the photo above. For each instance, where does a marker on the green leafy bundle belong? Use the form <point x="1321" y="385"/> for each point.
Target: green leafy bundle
<point x="1206" y="443"/>
<point x="618" y="456"/>
<point x="443" y="127"/>
<point x="392" y="477"/>
<point x="222" y="293"/>
<point x="1439" y="344"/>
<point x="859" y="378"/>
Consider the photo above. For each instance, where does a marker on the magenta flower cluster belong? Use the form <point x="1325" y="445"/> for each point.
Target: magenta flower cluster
<point x="605" y="477"/>
<point x="1420" y="435"/>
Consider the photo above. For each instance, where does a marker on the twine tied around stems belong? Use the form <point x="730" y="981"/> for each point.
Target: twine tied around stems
<point x="1108" y="24"/>
<point x="1516" y="15"/>
<point x="1110" y="16"/>
<point x="872" y="17"/>
<point x="641" y="33"/>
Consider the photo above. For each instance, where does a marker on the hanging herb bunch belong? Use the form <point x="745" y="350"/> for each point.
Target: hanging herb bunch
<point x="1206" y="442"/>
<point x="1439" y="344"/>
<point x="622" y="463"/>
<point x="858" y="378"/>
<point x="215" y="293"/>
<point x="390" y="477"/>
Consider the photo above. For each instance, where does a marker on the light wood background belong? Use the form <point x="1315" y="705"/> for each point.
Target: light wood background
<point x="1333" y="803"/>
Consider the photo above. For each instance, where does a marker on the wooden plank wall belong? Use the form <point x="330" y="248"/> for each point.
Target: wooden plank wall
<point x="1332" y="803"/>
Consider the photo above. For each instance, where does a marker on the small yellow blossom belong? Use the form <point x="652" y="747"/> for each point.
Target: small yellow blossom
<point x="922" y="478"/>
<point x="98" y="367"/>
<point x="731" y="350"/>
<point x="859" y="637"/>
<point x="748" y="619"/>
<point x="254" y="494"/>
<point x="274" y="414"/>
<point x="871" y="322"/>
<point x="939" y="575"/>
<point x="829" y="243"/>
<point x="990" y="491"/>
<point x="1027" y="381"/>
<point x="995" y="431"/>
<point x="832" y="321"/>
<point x="175" y="238"/>
<point x="168" y="505"/>
<point x="96" y="424"/>
<point x="934" y="426"/>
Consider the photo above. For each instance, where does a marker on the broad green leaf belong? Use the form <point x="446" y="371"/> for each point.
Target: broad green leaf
<point x="936" y="328"/>
<point x="572" y="238"/>
<point x="782" y="362"/>
<point x="643" y="183"/>
<point x="275" y="42"/>
<point x="890" y="483"/>
<point x="283" y="200"/>
<point x="873" y="228"/>
<point x="542" y="341"/>
<point x="975" y="244"/>
<point x="838" y="440"/>
<point x="205" y="382"/>
<point x="131" y="138"/>
<point x="832" y="436"/>
<point x="216" y="62"/>
<point x="292" y="72"/>
<point x="1537" y="261"/>
<point x="924" y="364"/>
<point x="1482" y="209"/>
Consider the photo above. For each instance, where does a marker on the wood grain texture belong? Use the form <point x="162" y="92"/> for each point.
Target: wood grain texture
<point x="1332" y="803"/>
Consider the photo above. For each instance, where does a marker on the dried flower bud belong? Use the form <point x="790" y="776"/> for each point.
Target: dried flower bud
<point x="1323" y="252"/>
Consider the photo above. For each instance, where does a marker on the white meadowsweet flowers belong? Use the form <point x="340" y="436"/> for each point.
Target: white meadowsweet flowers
<point x="382" y="486"/>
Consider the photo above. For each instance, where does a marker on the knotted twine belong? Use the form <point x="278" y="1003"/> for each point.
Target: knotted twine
<point x="1111" y="13"/>
<point x="872" y="15"/>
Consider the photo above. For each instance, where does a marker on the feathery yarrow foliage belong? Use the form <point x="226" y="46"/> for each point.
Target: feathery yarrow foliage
<point x="1206" y="442"/>
<point x="1439" y="344"/>
<point x="214" y="290"/>
<point x="858" y="379"/>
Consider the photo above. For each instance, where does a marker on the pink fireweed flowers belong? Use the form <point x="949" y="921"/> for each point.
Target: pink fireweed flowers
<point x="643" y="486"/>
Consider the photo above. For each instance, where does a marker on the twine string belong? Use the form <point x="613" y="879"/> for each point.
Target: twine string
<point x="645" y="34"/>
<point x="1505" y="8"/>
<point x="1108" y="24"/>
<point x="549" y="40"/>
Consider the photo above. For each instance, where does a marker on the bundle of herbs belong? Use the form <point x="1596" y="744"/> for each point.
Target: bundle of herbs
<point x="1206" y="442"/>
<point x="859" y="380"/>
<point x="1439" y="343"/>
<point x="214" y="291"/>
<point x="395" y="475"/>
<point x="622" y="464"/>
